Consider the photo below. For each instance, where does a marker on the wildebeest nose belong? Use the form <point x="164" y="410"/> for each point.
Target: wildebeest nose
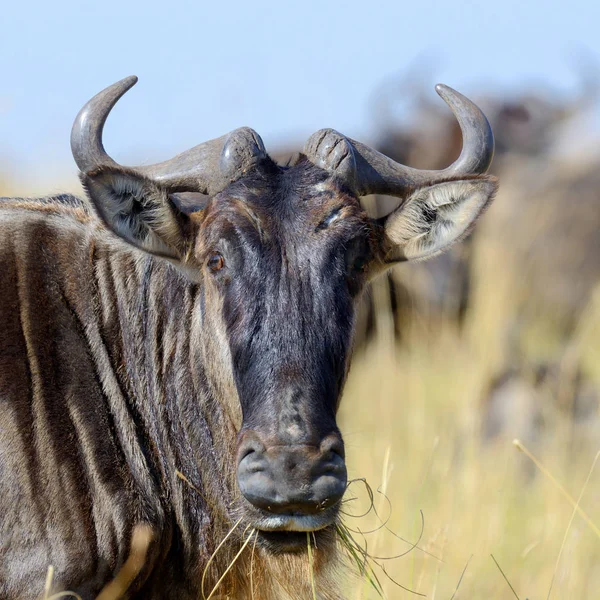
<point x="295" y="480"/>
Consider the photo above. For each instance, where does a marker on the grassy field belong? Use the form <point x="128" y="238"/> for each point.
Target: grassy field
<point x="412" y="423"/>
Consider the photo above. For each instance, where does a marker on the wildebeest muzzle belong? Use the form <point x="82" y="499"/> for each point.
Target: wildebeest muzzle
<point x="295" y="483"/>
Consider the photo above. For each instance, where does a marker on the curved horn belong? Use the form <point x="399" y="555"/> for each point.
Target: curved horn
<point x="207" y="168"/>
<point x="86" y="134"/>
<point x="378" y="174"/>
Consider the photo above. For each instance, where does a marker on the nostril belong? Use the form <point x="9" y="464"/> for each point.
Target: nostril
<point x="332" y="458"/>
<point x="247" y="452"/>
<point x="248" y="447"/>
<point x="332" y="466"/>
<point x="331" y="447"/>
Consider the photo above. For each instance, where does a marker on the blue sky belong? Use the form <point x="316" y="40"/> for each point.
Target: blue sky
<point x="284" y="69"/>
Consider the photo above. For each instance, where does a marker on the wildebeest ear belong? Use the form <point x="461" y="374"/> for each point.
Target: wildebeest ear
<point x="436" y="216"/>
<point x="140" y="211"/>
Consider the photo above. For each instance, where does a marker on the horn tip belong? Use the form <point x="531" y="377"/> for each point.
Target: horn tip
<point x="442" y="89"/>
<point x="129" y="82"/>
<point x="86" y="133"/>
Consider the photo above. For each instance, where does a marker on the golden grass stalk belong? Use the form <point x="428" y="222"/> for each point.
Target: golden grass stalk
<point x="518" y="444"/>
<point x="230" y="566"/>
<point x="140" y="542"/>
<point x="210" y="560"/>
<point x="311" y="566"/>
<point x="48" y="588"/>
<point x="512" y="589"/>
<point x="183" y="478"/>
<point x="461" y="578"/>
<point x="564" y="541"/>
<point x="49" y="578"/>
<point x="252" y="564"/>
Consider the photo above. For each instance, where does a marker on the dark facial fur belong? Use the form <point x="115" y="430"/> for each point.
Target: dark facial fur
<point x="292" y="249"/>
<point x="295" y="248"/>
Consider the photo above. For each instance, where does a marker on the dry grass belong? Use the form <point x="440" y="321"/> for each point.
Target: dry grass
<point x="491" y="517"/>
<point x="117" y="588"/>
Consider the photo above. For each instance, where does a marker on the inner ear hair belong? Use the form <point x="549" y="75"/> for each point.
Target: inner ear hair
<point x="436" y="216"/>
<point x="140" y="211"/>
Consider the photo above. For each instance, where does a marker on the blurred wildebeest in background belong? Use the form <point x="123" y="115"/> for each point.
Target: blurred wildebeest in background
<point x="527" y="122"/>
<point x="527" y="399"/>
<point x="545" y="227"/>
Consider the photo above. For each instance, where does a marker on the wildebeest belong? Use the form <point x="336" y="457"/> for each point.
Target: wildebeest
<point x="534" y="402"/>
<point x="174" y="348"/>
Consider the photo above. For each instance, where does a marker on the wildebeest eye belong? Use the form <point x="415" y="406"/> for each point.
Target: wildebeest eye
<point x="215" y="262"/>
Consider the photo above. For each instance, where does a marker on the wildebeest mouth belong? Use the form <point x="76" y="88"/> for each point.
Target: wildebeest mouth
<point x="290" y="533"/>
<point x="282" y="541"/>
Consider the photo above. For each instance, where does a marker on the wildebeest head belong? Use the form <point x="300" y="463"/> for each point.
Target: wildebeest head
<point x="281" y="255"/>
